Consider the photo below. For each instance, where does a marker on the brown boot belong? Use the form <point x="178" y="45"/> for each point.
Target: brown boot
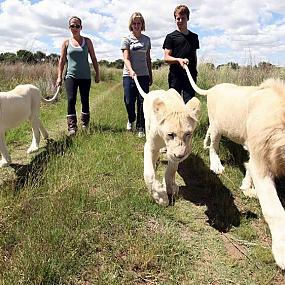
<point x="85" y="118"/>
<point x="72" y="124"/>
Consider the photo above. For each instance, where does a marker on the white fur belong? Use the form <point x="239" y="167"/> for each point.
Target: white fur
<point x="253" y="116"/>
<point x="169" y="122"/>
<point x="20" y="104"/>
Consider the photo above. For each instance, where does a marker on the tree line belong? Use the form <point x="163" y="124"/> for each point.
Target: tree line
<point x="26" y="56"/>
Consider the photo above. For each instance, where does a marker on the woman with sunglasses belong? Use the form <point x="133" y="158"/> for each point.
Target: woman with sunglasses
<point x="136" y="54"/>
<point x="75" y="52"/>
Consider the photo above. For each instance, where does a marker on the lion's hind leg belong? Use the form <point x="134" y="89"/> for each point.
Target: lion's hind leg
<point x="215" y="162"/>
<point x="6" y="159"/>
<point x="35" y="122"/>
<point x="247" y="186"/>
<point x="43" y="130"/>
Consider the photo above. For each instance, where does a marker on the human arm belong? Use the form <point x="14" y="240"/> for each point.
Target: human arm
<point x="127" y="61"/>
<point x="172" y="60"/>
<point x="61" y="63"/>
<point x="91" y="51"/>
<point x="148" y="60"/>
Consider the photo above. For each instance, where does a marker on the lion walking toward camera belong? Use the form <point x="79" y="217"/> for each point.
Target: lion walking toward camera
<point x="253" y="116"/>
<point x="168" y="122"/>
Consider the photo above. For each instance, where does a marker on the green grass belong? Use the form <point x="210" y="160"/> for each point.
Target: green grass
<point x="78" y="212"/>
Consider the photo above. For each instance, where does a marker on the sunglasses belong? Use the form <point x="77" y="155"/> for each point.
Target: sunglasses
<point x="74" y="26"/>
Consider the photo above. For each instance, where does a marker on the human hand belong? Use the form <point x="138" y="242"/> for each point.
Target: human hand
<point x="132" y="74"/>
<point x="97" y="78"/>
<point x="183" y="61"/>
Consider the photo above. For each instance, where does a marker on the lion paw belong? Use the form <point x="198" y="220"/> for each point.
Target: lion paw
<point x="249" y="192"/>
<point x="159" y="194"/>
<point x="4" y="163"/>
<point x="217" y="168"/>
<point x="32" y="148"/>
<point x="161" y="198"/>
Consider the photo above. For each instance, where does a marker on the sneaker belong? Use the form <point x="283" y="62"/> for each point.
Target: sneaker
<point x="130" y="126"/>
<point x="141" y="134"/>
<point x="71" y="132"/>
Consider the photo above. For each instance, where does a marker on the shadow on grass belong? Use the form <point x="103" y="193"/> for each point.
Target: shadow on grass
<point x="238" y="154"/>
<point x="33" y="171"/>
<point x="205" y="188"/>
<point x="95" y="128"/>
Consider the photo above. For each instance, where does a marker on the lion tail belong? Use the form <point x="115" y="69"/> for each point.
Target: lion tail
<point x="54" y="96"/>
<point x="192" y="82"/>
<point x="143" y="94"/>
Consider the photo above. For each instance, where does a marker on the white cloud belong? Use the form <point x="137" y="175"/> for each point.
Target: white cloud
<point x="229" y="30"/>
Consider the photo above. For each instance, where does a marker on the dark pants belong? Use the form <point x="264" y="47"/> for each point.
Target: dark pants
<point x="131" y="96"/>
<point x="182" y="85"/>
<point x="71" y="86"/>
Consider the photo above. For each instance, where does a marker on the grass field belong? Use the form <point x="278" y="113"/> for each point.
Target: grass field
<point x="78" y="211"/>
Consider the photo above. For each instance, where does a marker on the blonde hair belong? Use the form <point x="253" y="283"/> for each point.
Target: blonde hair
<point x="134" y="16"/>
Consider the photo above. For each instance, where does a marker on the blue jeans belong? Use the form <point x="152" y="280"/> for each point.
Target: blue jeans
<point x="131" y="96"/>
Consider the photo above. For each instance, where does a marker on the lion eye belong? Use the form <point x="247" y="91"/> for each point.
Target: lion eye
<point x="187" y="135"/>
<point x="171" y="135"/>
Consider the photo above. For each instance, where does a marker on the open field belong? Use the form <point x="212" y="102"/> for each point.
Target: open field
<point x="78" y="211"/>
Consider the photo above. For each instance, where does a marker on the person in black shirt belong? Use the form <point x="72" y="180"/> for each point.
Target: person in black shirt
<point x="180" y="48"/>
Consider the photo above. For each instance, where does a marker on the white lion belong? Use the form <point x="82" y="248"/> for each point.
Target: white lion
<point x="255" y="118"/>
<point x="169" y="122"/>
<point x="16" y="106"/>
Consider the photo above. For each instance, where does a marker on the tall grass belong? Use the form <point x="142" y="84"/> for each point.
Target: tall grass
<point x="41" y="75"/>
<point x="208" y="76"/>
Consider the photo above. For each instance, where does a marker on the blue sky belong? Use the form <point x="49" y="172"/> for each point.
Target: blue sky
<point x="245" y="32"/>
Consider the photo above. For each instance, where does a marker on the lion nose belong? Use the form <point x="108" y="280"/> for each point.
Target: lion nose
<point x="180" y="152"/>
<point x="179" y="155"/>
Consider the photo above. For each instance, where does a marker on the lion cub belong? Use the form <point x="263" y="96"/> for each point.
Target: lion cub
<point x="171" y="123"/>
<point x="20" y="104"/>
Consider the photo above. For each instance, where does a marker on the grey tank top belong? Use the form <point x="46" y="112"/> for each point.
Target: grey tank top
<point x="77" y="61"/>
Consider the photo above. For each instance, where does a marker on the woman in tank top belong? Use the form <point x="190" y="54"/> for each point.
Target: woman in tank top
<point x="75" y="52"/>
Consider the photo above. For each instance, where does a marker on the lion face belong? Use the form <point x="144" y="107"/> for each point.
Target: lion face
<point x="177" y="133"/>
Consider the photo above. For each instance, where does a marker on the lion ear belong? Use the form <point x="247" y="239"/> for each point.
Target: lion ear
<point x="159" y="108"/>
<point x="194" y="106"/>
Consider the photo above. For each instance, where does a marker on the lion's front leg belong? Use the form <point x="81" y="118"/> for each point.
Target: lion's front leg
<point x="171" y="187"/>
<point x="156" y="188"/>
<point x="273" y="212"/>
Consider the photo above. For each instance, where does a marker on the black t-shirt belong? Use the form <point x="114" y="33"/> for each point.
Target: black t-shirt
<point x="183" y="46"/>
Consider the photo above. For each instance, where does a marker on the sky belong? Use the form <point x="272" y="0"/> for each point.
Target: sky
<point x="241" y="31"/>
